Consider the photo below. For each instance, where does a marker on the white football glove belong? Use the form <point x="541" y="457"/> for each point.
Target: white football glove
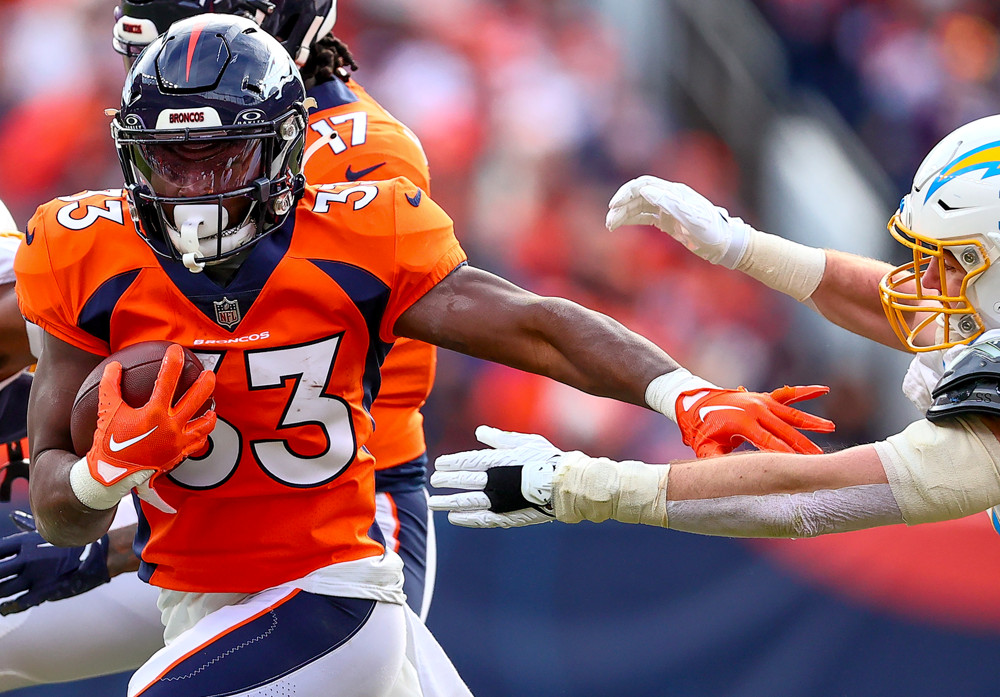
<point x="507" y="486"/>
<point x="684" y="214"/>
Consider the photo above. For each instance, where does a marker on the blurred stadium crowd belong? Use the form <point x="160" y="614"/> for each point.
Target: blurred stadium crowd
<point x="530" y="121"/>
<point x="532" y="115"/>
<point x="902" y="72"/>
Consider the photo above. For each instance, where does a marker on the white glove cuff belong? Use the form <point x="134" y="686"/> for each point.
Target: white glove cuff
<point x="739" y="240"/>
<point x="93" y="494"/>
<point x="663" y="391"/>
<point x="788" y="267"/>
<point x="536" y="481"/>
<point x="596" y="489"/>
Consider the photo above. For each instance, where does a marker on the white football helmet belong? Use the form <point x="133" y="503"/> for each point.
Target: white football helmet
<point x="7" y="223"/>
<point x="954" y="206"/>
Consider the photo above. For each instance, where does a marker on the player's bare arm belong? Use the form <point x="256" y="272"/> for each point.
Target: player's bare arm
<point x="60" y="516"/>
<point x="943" y="467"/>
<point x="482" y="315"/>
<point x="121" y="556"/>
<point x="477" y="313"/>
<point x="848" y="296"/>
<point x="74" y="498"/>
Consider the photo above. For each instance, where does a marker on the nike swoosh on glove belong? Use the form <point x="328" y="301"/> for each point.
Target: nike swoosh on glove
<point x="714" y="421"/>
<point x="508" y="486"/>
<point x="156" y="436"/>
<point x="131" y="446"/>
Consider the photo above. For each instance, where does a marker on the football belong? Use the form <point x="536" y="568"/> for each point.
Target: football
<point x="140" y="366"/>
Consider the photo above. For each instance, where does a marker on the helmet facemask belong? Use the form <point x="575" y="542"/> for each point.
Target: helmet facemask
<point x="950" y="217"/>
<point x="212" y="194"/>
<point x="911" y="308"/>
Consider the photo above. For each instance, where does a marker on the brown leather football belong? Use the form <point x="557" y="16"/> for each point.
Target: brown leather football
<point x="140" y="366"/>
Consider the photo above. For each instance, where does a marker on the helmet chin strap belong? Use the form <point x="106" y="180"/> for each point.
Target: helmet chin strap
<point x="188" y="220"/>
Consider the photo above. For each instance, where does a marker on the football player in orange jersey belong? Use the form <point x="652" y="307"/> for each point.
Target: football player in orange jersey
<point x="292" y="295"/>
<point x="350" y="138"/>
<point x="48" y="573"/>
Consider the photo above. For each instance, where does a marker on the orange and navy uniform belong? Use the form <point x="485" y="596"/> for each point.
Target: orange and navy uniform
<point x="352" y="138"/>
<point x="295" y="338"/>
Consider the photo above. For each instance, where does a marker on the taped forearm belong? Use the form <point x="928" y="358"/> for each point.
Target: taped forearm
<point x="598" y="489"/>
<point x="97" y="495"/>
<point x="788" y="267"/>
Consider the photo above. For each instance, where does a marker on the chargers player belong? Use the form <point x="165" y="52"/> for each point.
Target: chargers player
<point x="292" y="294"/>
<point x="942" y="467"/>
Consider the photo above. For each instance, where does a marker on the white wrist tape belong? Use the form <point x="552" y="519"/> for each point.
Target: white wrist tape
<point x="788" y="267"/>
<point x="942" y="471"/>
<point x="663" y="391"/>
<point x="596" y="489"/>
<point x="96" y="495"/>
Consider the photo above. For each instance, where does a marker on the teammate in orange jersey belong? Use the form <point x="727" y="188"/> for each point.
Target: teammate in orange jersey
<point x="292" y="295"/>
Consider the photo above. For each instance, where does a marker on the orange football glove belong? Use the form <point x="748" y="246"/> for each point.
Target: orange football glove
<point x="157" y="436"/>
<point x="714" y="421"/>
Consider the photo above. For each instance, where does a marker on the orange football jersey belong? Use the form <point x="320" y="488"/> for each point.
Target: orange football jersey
<point x="351" y="138"/>
<point x="295" y="339"/>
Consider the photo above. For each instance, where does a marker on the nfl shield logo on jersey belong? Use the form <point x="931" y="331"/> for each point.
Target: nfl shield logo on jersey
<point x="227" y="312"/>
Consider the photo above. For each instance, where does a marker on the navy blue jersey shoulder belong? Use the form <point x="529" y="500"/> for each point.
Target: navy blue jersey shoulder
<point x="970" y="384"/>
<point x="371" y="296"/>
<point x="95" y="317"/>
<point x="331" y="94"/>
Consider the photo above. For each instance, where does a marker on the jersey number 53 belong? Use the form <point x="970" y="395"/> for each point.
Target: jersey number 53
<point x="309" y="367"/>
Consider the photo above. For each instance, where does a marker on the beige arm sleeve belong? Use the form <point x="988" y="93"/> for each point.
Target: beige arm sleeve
<point x="598" y="489"/>
<point x="942" y="471"/>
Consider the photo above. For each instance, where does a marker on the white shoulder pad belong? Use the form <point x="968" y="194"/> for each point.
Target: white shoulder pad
<point x="7" y="223"/>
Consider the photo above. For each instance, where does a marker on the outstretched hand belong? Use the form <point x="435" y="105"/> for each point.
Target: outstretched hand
<point x="506" y="486"/>
<point x="714" y="421"/>
<point x="702" y="227"/>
